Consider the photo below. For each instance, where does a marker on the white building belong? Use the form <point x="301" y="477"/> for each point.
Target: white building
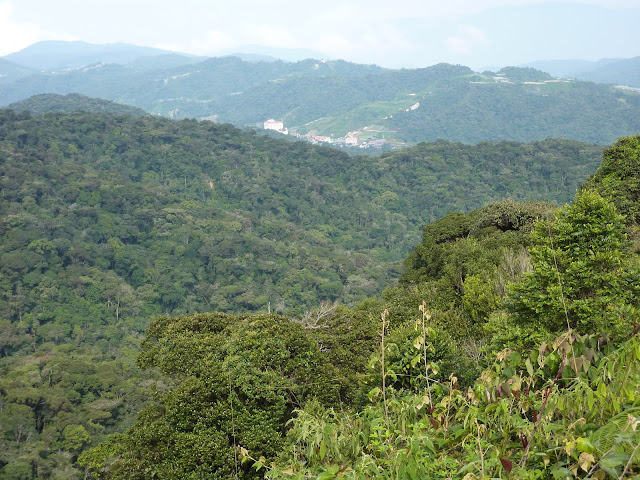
<point x="272" y="124"/>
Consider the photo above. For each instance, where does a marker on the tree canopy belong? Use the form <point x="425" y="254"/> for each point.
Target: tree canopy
<point x="108" y="222"/>
<point x="581" y="276"/>
<point x="618" y="177"/>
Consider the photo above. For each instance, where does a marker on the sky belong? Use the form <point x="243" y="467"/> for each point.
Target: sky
<point x="391" y="33"/>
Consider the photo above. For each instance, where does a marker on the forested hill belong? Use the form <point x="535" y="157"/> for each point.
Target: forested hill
<point x="481" y="109"/>
<point x="183" y="216"/>
<point x="336" y="98"/>
<point x="51" y="103"/>
<point x="159" y="86"/>
<point x="10" y="72"/>
<point x="107" y="222"/>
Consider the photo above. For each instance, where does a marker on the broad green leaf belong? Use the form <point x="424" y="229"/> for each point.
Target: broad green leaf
<point x="590" y="399"/>
<point x="323" y="449"/>
<point x="584" y="445"/>
<point x="612" y="461"/>
<point x="529" y="367"/>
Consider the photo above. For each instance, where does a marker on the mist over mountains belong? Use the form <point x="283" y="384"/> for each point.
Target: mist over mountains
<point x="61" y="55"/>
<point x="615" y="71"/>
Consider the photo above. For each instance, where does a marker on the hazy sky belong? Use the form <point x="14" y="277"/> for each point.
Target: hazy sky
<point x="391" y="33"/>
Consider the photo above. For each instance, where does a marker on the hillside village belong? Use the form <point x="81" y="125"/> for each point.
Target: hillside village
<point x="349" y="140"/>
<point x="377" y="137"/>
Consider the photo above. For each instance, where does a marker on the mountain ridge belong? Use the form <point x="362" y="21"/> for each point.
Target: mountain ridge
<point x="335" y="98"/>
<point x="72" y="102"/>
<point x="617" y="71"/>
<point x="58" y="54"/>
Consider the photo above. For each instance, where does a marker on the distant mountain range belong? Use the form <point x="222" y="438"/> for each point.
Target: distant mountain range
<point x="333" y="97"/>
<point x="60" y="55"/>
<point x="57" y="55"/>
<point x="616" y="71"/>
<point x="261" y="53"/>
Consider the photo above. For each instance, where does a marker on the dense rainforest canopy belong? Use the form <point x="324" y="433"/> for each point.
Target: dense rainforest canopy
<point x="185" y="216"/>
<point x="73" y="102"/>
<point x="473" y="372"/>
<point x="108" y="222"/>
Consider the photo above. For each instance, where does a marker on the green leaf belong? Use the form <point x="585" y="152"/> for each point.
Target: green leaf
<point x="415" y="360"/>
<point x="529" y="367"/>
<point x="613" y="460"/>
<point x="615" y="404"/>
<point x="584" y="445"/>
<point x="602" y="390"/>
<point x="466" y="467"/>
<point x="429" y="444"/>
<point x="561" y="473"/>
<point x="326" y="476"/>
<point x="329" y="473"/>
<point x="323" y="449"/>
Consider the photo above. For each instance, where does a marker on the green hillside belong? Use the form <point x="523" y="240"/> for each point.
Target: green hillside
<point x="245" y="213"/>
<point x="480" y="109"/>
<point x="11" y="72"/>
<point x="108" y="222"/>
<point x="150" y="83"/>
<point x="334" y="98"/>
<point x="73" y="102"/>
<point x="509" y="350"/>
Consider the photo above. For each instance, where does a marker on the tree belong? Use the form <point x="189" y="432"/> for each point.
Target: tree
<point x="618" y="178"/>
<point x="17" y="471"/>
<point x="75" y="437"/>
<point x="10" y="337"/>
<point x="237" y="381"/>
<point x="582" y="277"/>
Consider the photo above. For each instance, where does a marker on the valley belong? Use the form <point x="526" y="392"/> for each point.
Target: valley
<point x="245" y="268"/>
